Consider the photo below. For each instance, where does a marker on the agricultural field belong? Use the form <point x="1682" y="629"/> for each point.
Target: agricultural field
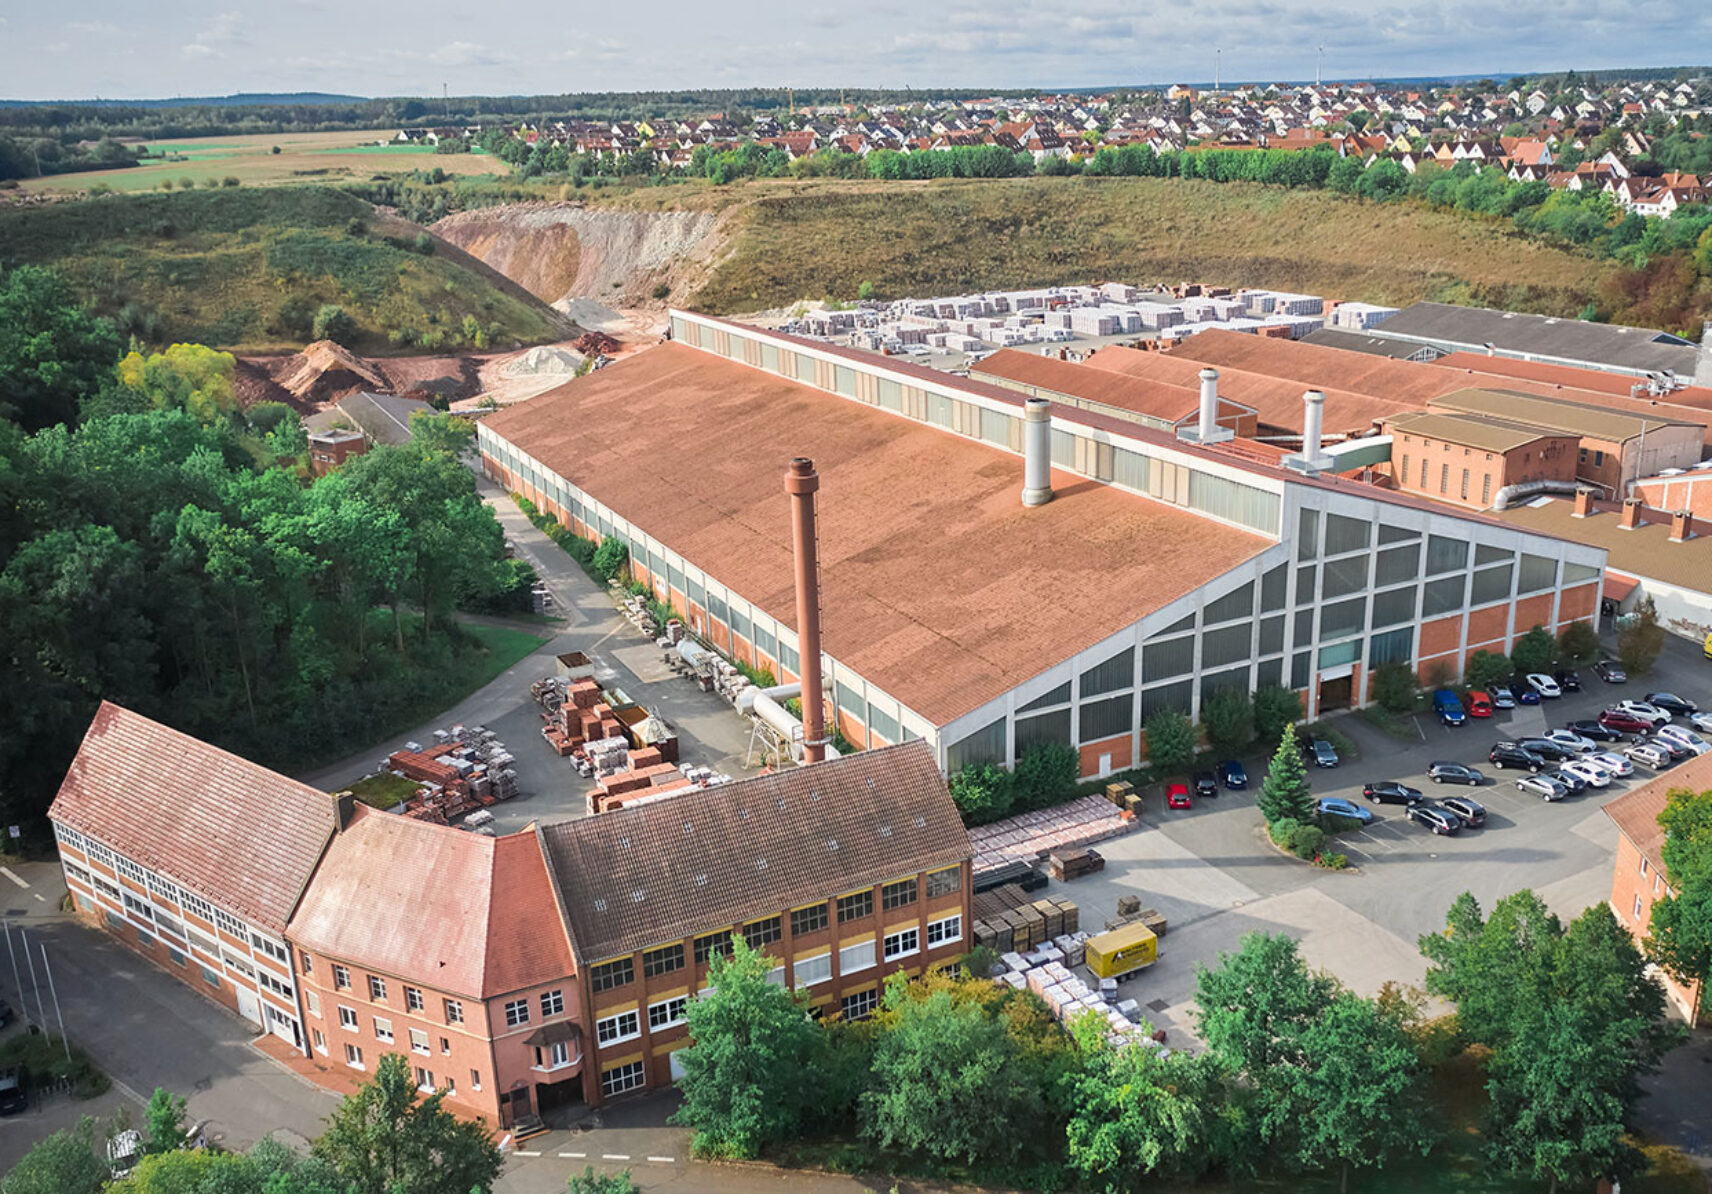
<point x="791" y="241"/>
<point x="248" y="269"/>
<point x="302" y="157"/>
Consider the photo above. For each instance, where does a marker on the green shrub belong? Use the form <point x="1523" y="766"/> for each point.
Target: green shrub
<point x="1332" y="861"/>
<point x="1306" y="841"/>
<point x="609" y="558"/>
<point x="333" y="323"/>
<point x="1336" y="824"/>
<point x="1046" y="775"/>
<point x="424" y="244"/>
<point x="662" y="290"/>
<point x="1283" y="831"/>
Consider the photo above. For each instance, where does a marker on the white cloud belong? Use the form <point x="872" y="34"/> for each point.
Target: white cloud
<point x="93" y="28"/>
<point x="222" y="34"/>
<point x="467" y="53"/>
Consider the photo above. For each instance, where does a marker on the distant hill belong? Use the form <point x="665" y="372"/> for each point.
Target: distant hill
<point x="248" y="270"/>
<point x="248" y="99"/>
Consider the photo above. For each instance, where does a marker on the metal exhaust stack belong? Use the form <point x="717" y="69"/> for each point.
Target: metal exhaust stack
<point x="1036" y="452"/>
<point x="1312" y="459"/>
<point x="801" y="482"/>
<point x="1207" y="429"/>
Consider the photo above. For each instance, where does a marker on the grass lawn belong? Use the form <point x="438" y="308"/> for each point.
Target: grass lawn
<point x="383" y="789"/>
<point x="45" y="1059"/>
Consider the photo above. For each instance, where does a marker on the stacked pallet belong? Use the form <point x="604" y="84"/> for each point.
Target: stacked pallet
<point x="1065" y="866"/>
<point x="1007" y="920"/>
<point x="1024" y="838"/>
<point x="1069" y="998"/>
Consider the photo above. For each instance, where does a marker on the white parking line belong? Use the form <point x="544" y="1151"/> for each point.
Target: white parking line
<point x="578" y="1156"/>
<point x="615" y="1156"/>
<point x="12" y="875"/>
<point x="522" y="1153"/>
<point x="664" y="1160"/>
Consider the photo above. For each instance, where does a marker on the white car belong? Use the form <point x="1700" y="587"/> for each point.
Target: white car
<point x="1701" y="722"/>
<point x="1544" y="684"/>
<point x="1613" y="762"/>
<point x="1594" y="775"/>
<point x="1651" y="714"/>
<point x="1685" y="737"/>
<point x="1572" y="740"/>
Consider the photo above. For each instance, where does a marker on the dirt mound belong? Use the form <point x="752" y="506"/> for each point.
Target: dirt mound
<point x="564" y="250"/>
<point x="325" y="371"/>
<point x="596" y="344"/>
<point x="542" y="361"/>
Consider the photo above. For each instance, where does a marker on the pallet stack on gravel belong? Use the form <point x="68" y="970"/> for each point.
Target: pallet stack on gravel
<point x="1047" y="973"/>
<point x="1024" y="839"/>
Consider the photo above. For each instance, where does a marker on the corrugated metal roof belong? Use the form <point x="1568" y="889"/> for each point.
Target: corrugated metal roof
<point x="1646" y="349"/>
<point x="706" y="860"/>
<point x="1557" y="414"/>
<point x="1475" y="431"/>
<point x="241" y="836"/>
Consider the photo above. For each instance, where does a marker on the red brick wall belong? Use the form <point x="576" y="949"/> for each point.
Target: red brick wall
<point x="1691" y="493"/>
<point x="1533" y="611"/>
<point x="1090" y="752"/>
<point x="1577" y="604"/>
<point x="1489" y="626"/>
<point x="1440" y="636"/>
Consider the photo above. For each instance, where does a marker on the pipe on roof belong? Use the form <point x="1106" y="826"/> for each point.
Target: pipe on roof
<point x="1209" y="403"/>
<point x="1527" y="489"/>
<point x="802" y="482"/>
<point x="1036" y="452"/>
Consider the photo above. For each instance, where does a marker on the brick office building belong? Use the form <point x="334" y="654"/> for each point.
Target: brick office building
<point x="1637" y="876"/>
<point x="519" y="973"/>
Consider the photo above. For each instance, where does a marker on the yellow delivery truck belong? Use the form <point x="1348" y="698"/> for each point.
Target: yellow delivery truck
<point x="1122" y="952"/>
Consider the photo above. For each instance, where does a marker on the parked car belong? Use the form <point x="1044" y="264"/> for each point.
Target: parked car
<point x="1325" y="754"/>
<point x="1672" y="704"/>
<point x="6" y="1013"/>
<point x="1610" y="671"/>
<point x="1595" y="775"/>
<point x="1232" y="775"/>
<point x="1502" y="697"/>
<point x="1547" y="748"/>
<point x="1568" y="779"/>
<point x="1514" y="754"/>
<point x="1543" y="785"/>
<point x="1674" y="747"/>
<point x="1568" y="679"/>
<point x="1448" y="706"/>
<point x="1686" y="737"/>
<point x="12" y="1081"/>
<point x="1613" y="762"/>
<point x="1455" y="773"/>
<point x="1576" y="742"/>
<point x="1205" y="784"/>
<point x="1544" y="685"/>
<point x="1471" y="813"/>
<point x="1701" y="722"/>
<point x="1647" y="754"/>
<point x="1389" y="791"/>
<point x="1628" y="723"/>
<point x="1434" y="818"/>
<point x="1177" y="796"/>
<point x="1525" y="693"/>
<point x="1593" y="730"/>
<point x="1645" y="710"/>
<point x="1479" y="704"/>
<point x="1337" y="806"/>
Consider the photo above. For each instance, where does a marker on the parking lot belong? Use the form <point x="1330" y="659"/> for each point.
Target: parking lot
<point x="1212" y="872"/>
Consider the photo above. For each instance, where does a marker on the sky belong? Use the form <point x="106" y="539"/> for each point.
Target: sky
<point x="122" y="49"/>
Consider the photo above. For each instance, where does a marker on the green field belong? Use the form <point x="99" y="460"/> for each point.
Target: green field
<point x="246" y="269"/>
<point x="797" y="241"/>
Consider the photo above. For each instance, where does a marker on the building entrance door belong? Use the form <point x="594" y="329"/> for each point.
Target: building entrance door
<point x="282" y="1026"/>
<point x="1336" y="694"/>
<point x="249" y="1007"/>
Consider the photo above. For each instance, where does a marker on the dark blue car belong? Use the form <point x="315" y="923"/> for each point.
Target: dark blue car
<point x="1232" y="775"/>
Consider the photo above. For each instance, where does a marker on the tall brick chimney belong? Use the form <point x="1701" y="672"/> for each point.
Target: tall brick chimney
<point x="1583" y="503"/>
<point x="1631" y="517"/>
<point x="1681" y="526"/>
<point x="801" y="482"/>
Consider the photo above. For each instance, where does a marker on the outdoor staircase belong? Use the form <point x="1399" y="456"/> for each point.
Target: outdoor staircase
<point x="527" y="1127"/>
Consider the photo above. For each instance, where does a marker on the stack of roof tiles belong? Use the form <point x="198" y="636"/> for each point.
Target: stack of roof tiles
<point x="1026" y="837"/>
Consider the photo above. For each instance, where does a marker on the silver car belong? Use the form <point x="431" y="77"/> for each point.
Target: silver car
<point x="1543" y="785"/>
<point x="1613" y="762"/>
<point x="1656" y="757"/>
<point x="1683" y="736"/>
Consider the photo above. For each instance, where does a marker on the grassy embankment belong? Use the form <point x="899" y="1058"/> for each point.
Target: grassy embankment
<point x="796" y="240"/>
<point x="246" y="269"/>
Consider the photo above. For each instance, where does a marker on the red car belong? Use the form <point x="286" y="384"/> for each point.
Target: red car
<point x="1479" y="704"/>
<point x="1628" y="723"/>
<point x="1177" y="796"/>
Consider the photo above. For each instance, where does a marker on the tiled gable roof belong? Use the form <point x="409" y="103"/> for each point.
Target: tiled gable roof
<point x="1636" y="813"/>
<point x="706" y="860"/>
<point x="241" y="836"/>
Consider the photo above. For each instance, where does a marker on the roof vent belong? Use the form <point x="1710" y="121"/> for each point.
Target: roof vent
<point x="814" y="797"/>
<point x="599" y="905"/>
<point x="885" y="831"/>
<point x="832" y="845"/>
<point x="701" y="880"/>
<point x="744" y="813"/>
<point x="760" y="864"/>
<point x="638" y="895"/>
<point x="781" y="804"/>
<point x="688" y="829"/>
<point x="624" y="842"/>
<point x="921" y="822"/>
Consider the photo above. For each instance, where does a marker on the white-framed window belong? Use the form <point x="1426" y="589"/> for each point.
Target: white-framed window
<point x="347" y="1017"/>
<point x="231" y="924"/>
<point x="354" y="1057"/>
<point x="622" y="1027"/>
<point x="516" y="1012"/>
<point x="902" y="944"/>
<point x="455" y="1015"/>
<point x="283" y="990"/>
<point x="945" y="930"/>
<point x="852" y="958"/>
<point x="861" y="1004"/>
<point x="552" y="1003"/>
<point x="383" y="1029"/>
<point x="70" y="837"/>
<point x="341" y="977"/>
<point x="622" y="1078"/>
<point x="308" y="966"/>
<point x="554" y="1056"/>
<point x="424" y="1080"/>
<point x="377" y="989"/>
<point x="320" y="1041"/>
<point x="199" y="906"/>
<point x="413" y="999"/>
<point x="418" y="1041"/>
<point x="76" y="872"/>
<point x="161" y="890"/>
<point x="1637" y="905"/>
<point x="475" y="1079"/>
<point x="272" y="949"/>
<point x="445" y="1046"/>
<point x="131" y="870"/>
<point x="667" y="1012"/>
<point x="313" y="1001"/>
<point x="814" y="970"/>
<point x="1645" y="866"/>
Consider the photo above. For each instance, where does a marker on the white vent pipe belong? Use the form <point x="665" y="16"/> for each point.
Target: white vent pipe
<point x="1209" y="404"/>
<point x="1036" y="452"/>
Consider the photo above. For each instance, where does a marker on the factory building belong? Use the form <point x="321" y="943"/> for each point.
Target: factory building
<point x="1163" y="568"/>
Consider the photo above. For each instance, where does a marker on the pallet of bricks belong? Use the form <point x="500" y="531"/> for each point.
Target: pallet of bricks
<point x="1130" y="911"/>
<point x="1068" y="997"/>
<point x="1125" y="797"/>
<point x="1007" y="920"/>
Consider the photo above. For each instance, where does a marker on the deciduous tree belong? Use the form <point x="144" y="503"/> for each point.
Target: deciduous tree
<point x="1486" y="668"/>
<point x="1276" y="709"/>
<point x="1228" y="718"/>
<point x="1170" y="742"/>
<point x="1639" y="644"/>
<point x="388" y="1137"/>
<point x="1680" y="930"/>
<point x="63" y="1163"/>
<point x="1578" y="644"/>
<point x="53" y="353"/>
<point x="1534" y="651"/>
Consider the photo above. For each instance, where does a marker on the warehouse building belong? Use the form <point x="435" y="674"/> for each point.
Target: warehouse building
<point x="1161" y="570"/>
<point x="517" y="974"/>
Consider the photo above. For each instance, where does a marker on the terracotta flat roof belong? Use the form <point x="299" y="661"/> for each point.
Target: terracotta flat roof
<point x="1571" y="378"/>
<point x="241" y="836"/>
<point x="1636" y="813"/>
<point x="937" y="584"/>
<point x="715" y="857"/>
<point x="1141" y="395"/>
<point x="1475" y="431"/>
<point x="1643" y="551"/>
<point x="1276" y="400"/>
<point x="1406" y="384"/>
<point x="456" y="911"/>
<point x="1618" y="586"/>
<point x="1558" y="414"/>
